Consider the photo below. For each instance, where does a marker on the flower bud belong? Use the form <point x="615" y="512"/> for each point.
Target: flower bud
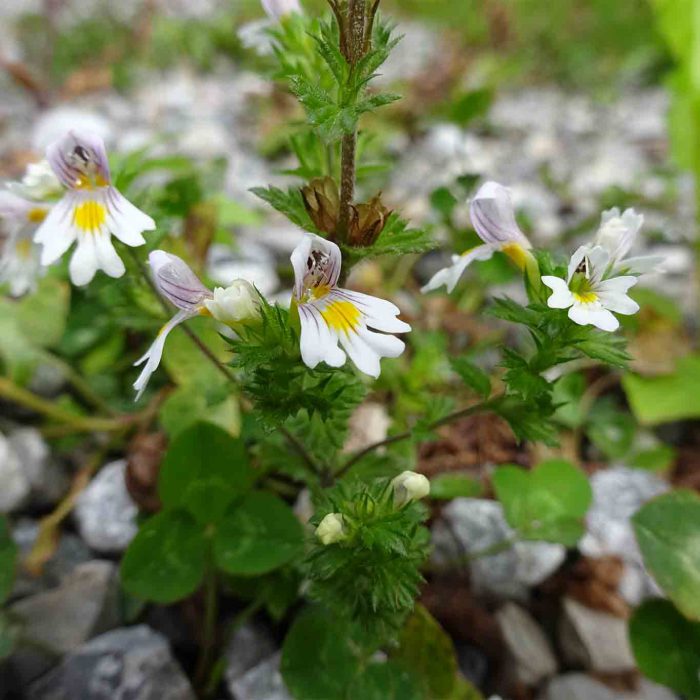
<point x="235" y="304"/>
<point x="331" y="529"/>
<point x="409" y="486"/>
<point x="322" y="202"/>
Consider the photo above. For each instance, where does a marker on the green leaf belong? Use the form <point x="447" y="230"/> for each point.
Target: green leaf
<point x="666" y="646"/>
<point x="204" y="470"/>
<point x="610" y="430"/>
<point x="472" y="375"/>
<point x="427" y="652"/>
<point x="606" y="347"/>
<point x="668" y="533"/>
<point x="289" y="203"/>
<point x="186" y="406"/>
<point x="672" y="397"/>
<point x="165" y="561"/>
<point x="566" y="396"/>
<point x="257" y="536"/>
<point x="317" y="660"/>
<point x="385" y="681"/>
<point x="469" y="106"/>
<point x="447" y="486"/>
<point x="547" y="503"/>
<point x="8" y="560"/>
<point x="41" y="316"/>
<point x="233" y="213"/>
<point x="657" y="459"/>
<point x="509" y="310"/>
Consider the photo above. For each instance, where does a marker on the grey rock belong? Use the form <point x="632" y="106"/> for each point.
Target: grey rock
<point x="69" y="553"/>
<point x="368" y="424"/>
<point x="527" y="645"/>
<point x="579" y="686"/>
<point x="262" y="682"/>
<point x="593" y="639"/>
<point x="105" y="512"/>
<point x="58" y="621"/>
<point x="48" y="481"/>
<point x="14" y="482"/>
<point x="249" y="646"/>
<point x="132" y="663"/>
<point x="478" y="524"/>
<point x="472" y="662"/>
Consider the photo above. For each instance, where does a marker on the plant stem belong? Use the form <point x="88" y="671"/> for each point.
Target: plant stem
<point x="302" y="451"/>
<point x="23" y="397"/>
<point x="482" y="407"/>
<point x="211" y="605"/>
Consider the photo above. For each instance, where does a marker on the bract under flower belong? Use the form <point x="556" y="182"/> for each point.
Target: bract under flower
<point x="331" y="317"/>
<point x="90" y="212"/>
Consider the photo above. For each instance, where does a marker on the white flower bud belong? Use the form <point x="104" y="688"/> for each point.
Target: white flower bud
<point x="235" y="304"/>
<point x="38" y="184"/>
<point x="331" y="529"/>
<point x="409" y="486"/>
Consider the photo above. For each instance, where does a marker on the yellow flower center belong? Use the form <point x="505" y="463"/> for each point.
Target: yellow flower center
<point x="89" y="216"/>
<point x="585" y="297"/>
<point x="36" y="215"/>
<point x="341" y="316"/>
<point x="517" y="254"/>
<point x="89" y="181"/>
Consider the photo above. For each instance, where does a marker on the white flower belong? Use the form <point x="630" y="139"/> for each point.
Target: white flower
<point x="39" y="183"/>
<point x="19" y="264"/>
<point x="276" y="9"/>
<point x="237" y="303"/>
<point x="90" y="212"/>
<point x="331" y="316"/>
<point x="409" y="486"/>
<point x="331" y="529"/>
<point x="589" y="295"/>
<point x="493" y="218"/>
<point x="179" y="285"/>
<point x="616" y="235"/>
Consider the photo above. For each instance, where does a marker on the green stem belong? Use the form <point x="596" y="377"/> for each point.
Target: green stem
<point x="23" y="397"/>
<point x="211" y="607"/>
<point x="482" y="407"/>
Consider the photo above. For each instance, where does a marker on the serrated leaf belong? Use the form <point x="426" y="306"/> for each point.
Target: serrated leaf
<point x="668" y="533"/>
<point x="606" y="347"/>
<point x="472" y="375"/>
<point x="289" y="203"/>
<point x="453" y="485"/>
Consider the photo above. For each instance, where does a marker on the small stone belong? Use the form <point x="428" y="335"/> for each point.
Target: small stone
<point x="579" y="686"/>
<point x="479" y="524"/>
<point x="105" y="512"/>
<point x="14" y="481"/>
<point x="262" y="682"/>
<point x="58" y="621"/>
<point x="473" y="663"/>
<point x="368" y="424"/>
<point x="595" y="640"/>
<point x="131" y="662"/>
<point x="249" y="646"/>
<point x="527" y="645"/>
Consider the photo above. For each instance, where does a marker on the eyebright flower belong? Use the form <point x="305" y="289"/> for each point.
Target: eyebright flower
<point x="331" y="316"/>
<point x="409" y="486"/>
<point x="276" y="9"/>
<point x="588" y="293"/>
<point x="493" y="218"/>
<point x="19" y="264"/>
<point x="331" y="529"/>
<point x="181" y="287"/>
<point x="38" y="184"/>
<point x="90" y="212"/>
<point x="616" y="235"/>
<point x="235" y="304"/>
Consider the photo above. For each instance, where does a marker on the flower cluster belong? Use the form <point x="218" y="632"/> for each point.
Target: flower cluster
<point x="599" y="273"/>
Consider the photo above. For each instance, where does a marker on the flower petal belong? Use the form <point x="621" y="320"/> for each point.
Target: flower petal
<point x="79" y="160"/>
<point x="493" y="216"/>
<point x="364" y="356"/>
<point x="639" y="265"/>
<point x="316" y="263"/>
<point x="449" y="276"/>
<point x="561" y="297"/>
<point x="617" y="232"/>
<point x="84" y="262"/>
<point x="593" y="315"/>
<point x="176" y="281"/>
<point x="126" y="221"/>
<point x="379" y="314"/>
<point x="56" y="233"/>
<point x="107" y="258"/>
<point x="318" y="343"/>
<point x="383" y="344"/>
<point x="154" y="354"/>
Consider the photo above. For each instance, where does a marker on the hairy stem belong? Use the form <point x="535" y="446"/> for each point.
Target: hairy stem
<point x="482" y="407"/>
